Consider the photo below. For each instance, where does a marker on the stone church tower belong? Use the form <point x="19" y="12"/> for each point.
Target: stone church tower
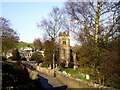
<point x="64" y="48"/>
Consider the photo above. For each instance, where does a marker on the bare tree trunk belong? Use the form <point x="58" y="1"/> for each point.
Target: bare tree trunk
<point x="97" y="22"/>
<point x="103" y="83"/>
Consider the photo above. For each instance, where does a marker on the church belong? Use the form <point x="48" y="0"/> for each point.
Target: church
<point x="66" y="55"/>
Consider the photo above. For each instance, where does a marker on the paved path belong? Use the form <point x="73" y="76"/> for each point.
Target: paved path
<point x="51" y="82"/>
<point x="48" y="82"/>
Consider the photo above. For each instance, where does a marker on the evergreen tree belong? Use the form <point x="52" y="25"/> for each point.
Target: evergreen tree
<point x="16" y="55"/>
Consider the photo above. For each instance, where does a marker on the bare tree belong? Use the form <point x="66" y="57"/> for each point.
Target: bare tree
<point x="96" y="23"/>
<point x="94" y="20"/>
<point x="37" y="43"/>
<point x="8" y="35"/>
<point x="52" y="25"/>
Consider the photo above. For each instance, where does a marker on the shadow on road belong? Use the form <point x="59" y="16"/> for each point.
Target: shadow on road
<point x="46" y="86"/>
<point x="44" y="83"/>
<point x="60" y="88"/>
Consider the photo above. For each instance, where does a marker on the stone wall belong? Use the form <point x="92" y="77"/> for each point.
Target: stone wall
<point x="68" y="80"/>
<point x="32" y="74"/>
<point x="46" y="71"/>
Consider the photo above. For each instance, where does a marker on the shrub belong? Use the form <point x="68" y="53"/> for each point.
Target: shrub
<point x="16" y="55"/>
<point x="44" y="65"/>
<point x="24" y="59"/>
<point x="37" y="56"/>
<point x="62" y="65"/>
<point x="3" y="58"/>
<point x="70" y="65"/>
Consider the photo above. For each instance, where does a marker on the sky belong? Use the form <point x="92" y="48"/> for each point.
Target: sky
<point x="24" y="17"/>
<point x="25" y="14"/>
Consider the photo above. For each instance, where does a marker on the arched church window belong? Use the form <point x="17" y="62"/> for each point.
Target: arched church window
<point x="64" y="42"/>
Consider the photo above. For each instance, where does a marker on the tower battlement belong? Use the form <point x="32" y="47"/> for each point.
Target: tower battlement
<point x="64" y="33"/>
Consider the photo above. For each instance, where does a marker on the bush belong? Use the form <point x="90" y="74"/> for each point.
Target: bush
<point x="3" y="58"/>
<point x="70" y="65"/>
<point x="10" y="58"/>
<point x="18" y="77"/>
<point x="24" y="59"/>
<point x="16" y="55"/>
<point x="102" y="61"/>
<point x="37" y="56"/>
<point x="44" y="65"/>
<point x="62" y="65"/>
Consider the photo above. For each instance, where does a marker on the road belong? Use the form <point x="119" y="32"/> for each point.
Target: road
<point x="48" y="82"/>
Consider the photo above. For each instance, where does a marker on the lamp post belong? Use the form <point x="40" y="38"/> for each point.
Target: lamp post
<point x="53" y="61"/>
<point x="54" y="56"/>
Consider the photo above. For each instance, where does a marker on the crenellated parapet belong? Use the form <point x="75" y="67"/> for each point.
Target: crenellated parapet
<point x="64" y="33"/>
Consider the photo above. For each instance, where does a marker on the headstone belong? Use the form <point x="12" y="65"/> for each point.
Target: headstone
<point x="74" y="67"/>
<point x="64" y="72"/>
<point x="87" y="77"/>
<point x="55" y="66"/>
<point x="40" y="64"/>
<point x="50" y="67"/>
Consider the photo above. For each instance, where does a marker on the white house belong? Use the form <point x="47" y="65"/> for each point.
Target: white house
<point x="27" y="52"/>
